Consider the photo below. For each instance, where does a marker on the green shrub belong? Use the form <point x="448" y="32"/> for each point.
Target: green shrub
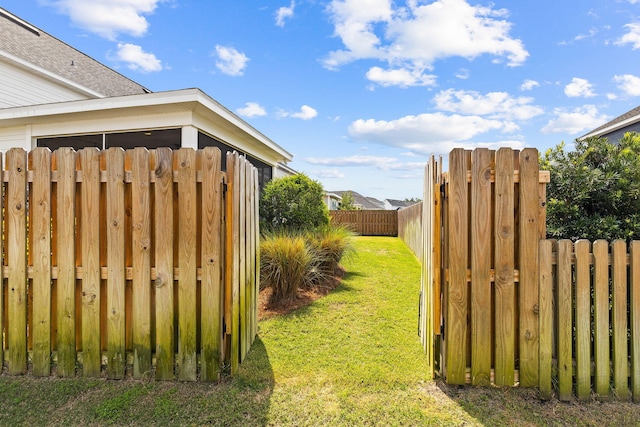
<point x="293" y="203"/>
<point x="594" y="191"/>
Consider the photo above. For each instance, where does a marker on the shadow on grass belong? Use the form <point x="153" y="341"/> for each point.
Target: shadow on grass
<point x="507" y="406"/>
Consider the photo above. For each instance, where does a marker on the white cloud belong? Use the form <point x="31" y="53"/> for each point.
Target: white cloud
<point x="252" y="109"/>
<point x="305" y="113"/>
<point x="137" y="59"/>
<point x="577" y="120"/>
<point x="631" y="37"/>
<point x="579" y="88"/>
<point x="380" y="163"/>
<point x="400" y="77"/>
<point x="284" y="13"/>
<point x="628" y="83"/>
<point x="463" y="74"/>
<point x="426" y="133"/>
<point x="414" y="37"/>
<point x="108" y="18"/>
<point x="529" y="84"/>
<point x="328" y="173"/>
<point x="230" y="61"/>
<point x="495" y="105"/>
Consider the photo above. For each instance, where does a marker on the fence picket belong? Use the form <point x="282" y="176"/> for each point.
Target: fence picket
<point x="184" y="161"/>
<point x="16" y="228"/>
<point x="66" y="281"/>
<point x="583" y="319"/>
<point x="40" y="244"/>
<point x="141" y="261"/>
<point x="564" y="326"/>
<point x="634" y="318"/>
<point x="242" y="279"/>
<point x="164" y="237"/>
<point x="456" y="324"/>
<point x="211" y="317"/>
<point x="546" y="318"/>
<point x="601" y="317"/>
<point x="619" y="318"/>
<point x="505" y="319"/>
<point x="480" y="265"/>
<point x="528" y="266"/>
<point x="90" y="243"/>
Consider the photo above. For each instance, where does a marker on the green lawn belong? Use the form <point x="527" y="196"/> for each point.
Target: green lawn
<point x="352" y="358"/>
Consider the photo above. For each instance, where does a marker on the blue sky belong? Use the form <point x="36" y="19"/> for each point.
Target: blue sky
<point x="362" y="92"/>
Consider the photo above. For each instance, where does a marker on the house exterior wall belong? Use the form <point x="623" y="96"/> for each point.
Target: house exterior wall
<point x="18" y="88"/>
<point x="618" y="134"/>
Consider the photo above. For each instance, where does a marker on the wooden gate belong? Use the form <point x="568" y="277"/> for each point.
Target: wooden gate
<point x="479" y="303"/>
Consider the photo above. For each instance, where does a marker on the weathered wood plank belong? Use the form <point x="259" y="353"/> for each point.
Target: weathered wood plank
<point x="583" y="319"/>
<point x="564" y="326"/>
<point x="242" y="232"/>
<point x="233" y="234"/>
<point x="634" y="318"/>
<point x="90" y="242"/>
<point x="16" y="229"/>
<point x="141" y="262"/>
<point x="40" y="245"/>
<point x="164" y="235"/>
<point x="546" y="319"/>
<point x="481" y="349"/>
<point x="456" y="324"/>
<point x="528" y="265"/>
<point x="601" y="346"/>
<point x="211" y="286"/>
<point x="184" y="163"/>
<point x="505" y="318"/>
<point x="619" y="318"/>
<point x="115" y="263"/>
<point x="65" y="226"/>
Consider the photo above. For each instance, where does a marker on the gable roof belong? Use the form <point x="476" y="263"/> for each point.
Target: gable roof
<point x="28" y="47"/>
<point x="368" y="203"/>
<point x="626" y="119"/>
<point x="400" y="203"/>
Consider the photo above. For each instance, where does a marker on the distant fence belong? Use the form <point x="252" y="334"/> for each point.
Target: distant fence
<point x="410" y="228"/>
<point x="368" y="222"/>
<point x="590" y="319"/>
<point x="138" y="260"/>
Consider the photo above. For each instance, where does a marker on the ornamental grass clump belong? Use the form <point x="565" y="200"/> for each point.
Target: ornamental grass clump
<point x="330" y="245"/>
<point x="285" y="260"/>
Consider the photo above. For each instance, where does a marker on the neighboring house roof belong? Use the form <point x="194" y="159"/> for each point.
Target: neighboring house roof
<point x="28" y="47"/>
<point x="627" y="119"/>
<point x="398" y="204"/>
<point x="368" y="203"/>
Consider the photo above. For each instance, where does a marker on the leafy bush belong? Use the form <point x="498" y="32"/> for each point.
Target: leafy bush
<point x="293" y="203"/>
<point x="594" y="191"/>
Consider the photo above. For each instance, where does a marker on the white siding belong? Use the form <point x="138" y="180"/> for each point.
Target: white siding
<point x="19" y="87"/>
<point x="13" y="137"/>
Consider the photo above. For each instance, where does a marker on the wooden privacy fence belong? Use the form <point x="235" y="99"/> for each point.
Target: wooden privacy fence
<point x="410" y="228"/>
<point x="590" y="319"/>
<point x="134" y="261"/>
<point x="368" y="222"/>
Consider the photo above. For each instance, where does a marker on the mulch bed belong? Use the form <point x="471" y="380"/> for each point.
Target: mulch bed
<point x="303" y="298"/>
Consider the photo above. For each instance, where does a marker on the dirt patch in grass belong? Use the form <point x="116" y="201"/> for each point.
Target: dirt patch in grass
<point x="303" y="298"/>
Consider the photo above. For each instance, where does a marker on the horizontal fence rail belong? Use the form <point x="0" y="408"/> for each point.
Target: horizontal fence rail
<point x="368" y="222"/>
<point x="590" y="319"/>
<point x="116" y="261"/>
